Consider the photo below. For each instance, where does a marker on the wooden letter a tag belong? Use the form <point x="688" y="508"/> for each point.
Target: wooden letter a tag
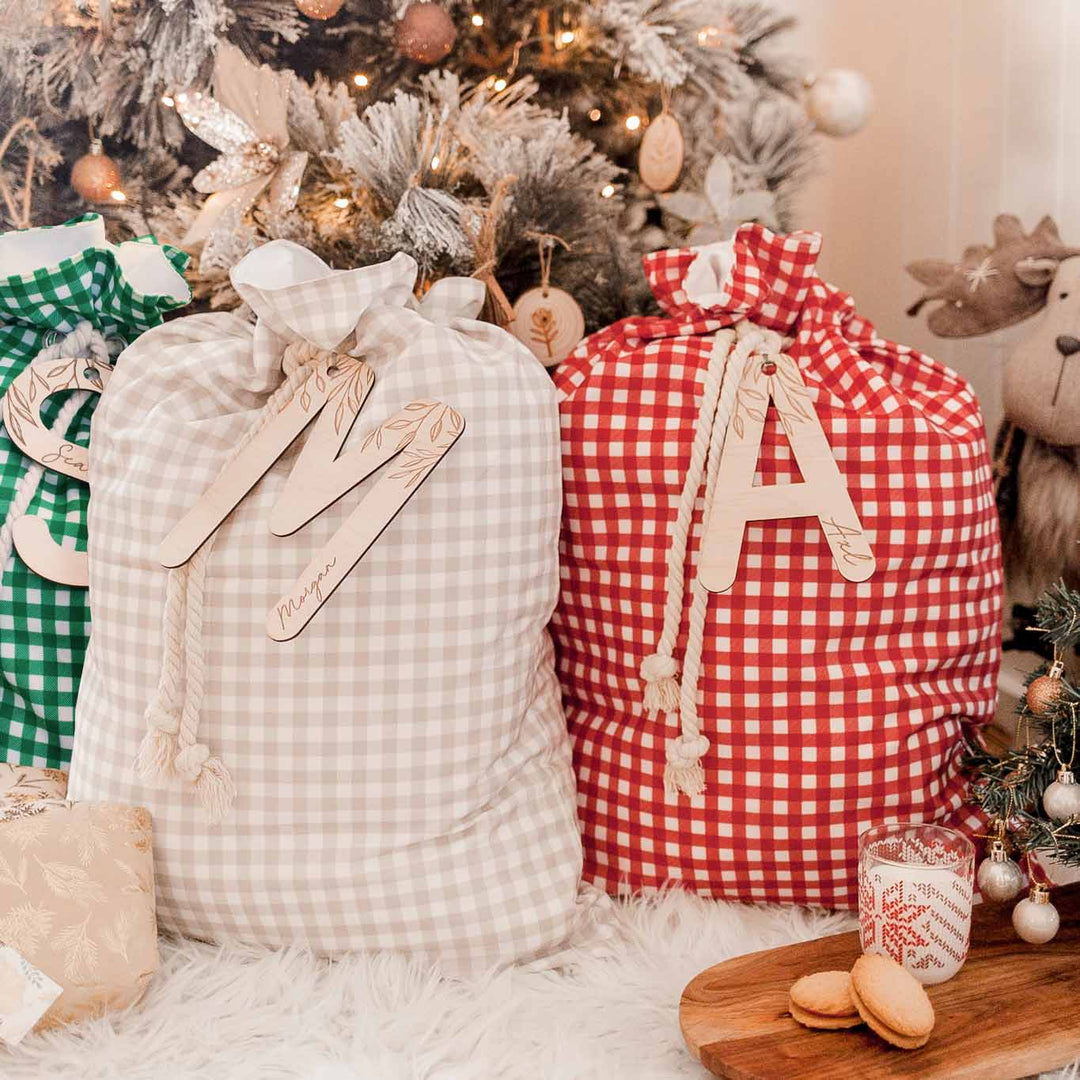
<point x="822" y="493"/>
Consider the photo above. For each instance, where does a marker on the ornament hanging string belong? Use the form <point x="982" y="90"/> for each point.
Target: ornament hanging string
<point x="545" y="243"/>
<point x="1053" y="738"/>
<point x="20" y="219"/>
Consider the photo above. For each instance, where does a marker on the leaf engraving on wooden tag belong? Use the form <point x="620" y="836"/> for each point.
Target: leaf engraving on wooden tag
<point x="549" y="321"/>
<point x="660" y="158"/>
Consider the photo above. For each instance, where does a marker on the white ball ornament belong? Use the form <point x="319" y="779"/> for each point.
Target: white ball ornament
<point x="1035" y="919"/>
<point x="999" y="877"/>
<point x="1061" y="800"/>
<point x="839" y="102"/>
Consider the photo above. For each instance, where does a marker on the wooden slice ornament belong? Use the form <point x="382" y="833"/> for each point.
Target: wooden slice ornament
<point x="660" y="158"/>
<point x="548" y="319"/>
<point x="20" y="410"/>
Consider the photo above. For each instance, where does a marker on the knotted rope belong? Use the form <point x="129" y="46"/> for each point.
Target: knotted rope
<point x="683" y="770"/>
<point x="170" y="747"/>
<point x="84" y="340"/>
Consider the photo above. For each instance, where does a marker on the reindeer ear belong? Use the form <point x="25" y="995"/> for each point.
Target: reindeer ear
<point x="1036" y="271"/>
<point x="1007" y="227"/>
<point x="1046" y="231"/>
<point x="931" y="271"/>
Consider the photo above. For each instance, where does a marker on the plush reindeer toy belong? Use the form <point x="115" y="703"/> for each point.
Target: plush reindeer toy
<point x="1037" y="457"/>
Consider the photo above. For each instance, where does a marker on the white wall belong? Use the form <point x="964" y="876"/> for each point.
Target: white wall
<point x="978" y="112"/>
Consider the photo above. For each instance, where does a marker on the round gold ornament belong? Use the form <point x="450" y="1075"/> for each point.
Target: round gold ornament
<point x="425" y="33"/>
<point x="839" y="102"/>
<point x="660" y="159"/>
<point x="319" y="9"/>
<point x="549" y="321"/>
<point x="95" y="175"/>
<point x="1046" y="689"/>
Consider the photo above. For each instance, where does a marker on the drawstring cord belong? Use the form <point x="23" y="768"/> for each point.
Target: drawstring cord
<point x="170" y="747"/>
<point x="84" y="340"/>
<point x="683" y="771"/>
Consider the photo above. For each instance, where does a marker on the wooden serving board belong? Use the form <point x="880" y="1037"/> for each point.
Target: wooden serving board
<point x="1011" y="1012"/>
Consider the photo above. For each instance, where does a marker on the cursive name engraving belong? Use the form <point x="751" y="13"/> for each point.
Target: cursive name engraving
<point x="847" y="535"/>
<point x="291" y="606"/>
<point x="64" y="455"/>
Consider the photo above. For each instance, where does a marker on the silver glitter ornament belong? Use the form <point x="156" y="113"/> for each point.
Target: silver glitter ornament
<point x="1061" y="800"/>
<point x="1035" y="919"/>
<point x="999" y="877"/>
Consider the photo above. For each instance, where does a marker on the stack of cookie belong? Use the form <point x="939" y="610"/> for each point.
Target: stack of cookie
<point x="877" y="992"/>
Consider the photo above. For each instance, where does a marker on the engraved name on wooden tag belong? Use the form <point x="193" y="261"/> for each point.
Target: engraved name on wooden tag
<point x="822" y="492"/>
<point x="21" y="411"/>
<point x="416" y="439"/>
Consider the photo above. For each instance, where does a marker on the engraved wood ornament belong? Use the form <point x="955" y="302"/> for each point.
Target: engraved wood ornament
<point x="660" y="158"/>
<point x="547" y="319"/>
<point x="822" y="493"/>
<point x="418" y="437"/>
<point x="21" y="411"/>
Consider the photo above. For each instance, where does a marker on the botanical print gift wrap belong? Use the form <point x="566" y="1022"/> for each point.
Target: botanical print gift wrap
<point x="77" y="900"/>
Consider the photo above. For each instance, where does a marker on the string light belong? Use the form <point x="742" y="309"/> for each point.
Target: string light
<point x="167" y="101"/>
<point x="341" y="204"/>
<point x="594" y="115"/>
<point x="360" y="79"/>
<point x="607" y="191"/>
<point x="478" y="20"/>
<point x="499" y="85"/>
<point x="436" y="161"/>
<point x="712" y="37"/>
<point x="566" y="37"/>
<point x="633" y="122"/>
<point x="117" y="195"/>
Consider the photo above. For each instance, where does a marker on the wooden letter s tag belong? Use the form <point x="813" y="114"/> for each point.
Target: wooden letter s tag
<point x="21" y="410"/>
<point x="821" y="494"/>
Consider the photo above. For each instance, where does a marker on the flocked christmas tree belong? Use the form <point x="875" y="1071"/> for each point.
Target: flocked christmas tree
<point x="481" y="136"/>
<point x="1031" y="792"/>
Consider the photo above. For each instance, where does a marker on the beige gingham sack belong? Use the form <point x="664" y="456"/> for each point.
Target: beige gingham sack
<point x="398" y="775"/>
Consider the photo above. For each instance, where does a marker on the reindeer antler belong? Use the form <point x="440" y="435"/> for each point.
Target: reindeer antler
<point x="991" y="287"/>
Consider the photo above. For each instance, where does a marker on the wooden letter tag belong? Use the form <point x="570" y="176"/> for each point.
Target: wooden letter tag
<point x="21" y="410"/>
<point x="821" y="494"/>
<point x="421" y="433"/>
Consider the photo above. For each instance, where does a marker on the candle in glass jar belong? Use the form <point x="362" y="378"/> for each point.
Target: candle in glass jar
<point x="918" y="915"/>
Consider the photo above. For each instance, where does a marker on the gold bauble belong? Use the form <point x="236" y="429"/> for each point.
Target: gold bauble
<point x="319" y="9"/>
<point x="425" y="33"/>
<point x="95" y="175"/>
<point x="1046" y="689"/>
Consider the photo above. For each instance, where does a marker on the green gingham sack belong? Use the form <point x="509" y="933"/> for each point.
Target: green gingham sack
<point x="64" y="291"/>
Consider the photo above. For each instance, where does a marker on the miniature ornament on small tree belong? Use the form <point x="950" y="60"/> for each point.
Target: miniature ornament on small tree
<point x="548" y="319"/>
<point x="319" y="9"/>
<point x="1045" y="690"/>
<point x="1035" y="918"/>
<point x="1061" y="800"/>
<point x="425" y="33"/>
<point x="999" y="877"/>
<point x="839" y="102"/>
<point x="95" y="175"/>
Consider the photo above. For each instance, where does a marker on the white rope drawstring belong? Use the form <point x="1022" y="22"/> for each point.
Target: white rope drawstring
<point x="170" y="747"/>
<point x="683" y="771"/>
<point x="84" y="340"/>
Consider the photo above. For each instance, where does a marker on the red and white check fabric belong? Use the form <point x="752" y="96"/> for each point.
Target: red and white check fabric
<point x="829" y="706"/>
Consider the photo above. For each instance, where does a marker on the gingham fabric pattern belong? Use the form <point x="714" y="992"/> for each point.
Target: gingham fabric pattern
<point x="402" y="767"/>
<point x="829" y="706"/>
<point x="52" y="279"/>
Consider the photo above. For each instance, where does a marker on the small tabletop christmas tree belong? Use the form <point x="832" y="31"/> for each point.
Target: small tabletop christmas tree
<point x="1031" y="791"/>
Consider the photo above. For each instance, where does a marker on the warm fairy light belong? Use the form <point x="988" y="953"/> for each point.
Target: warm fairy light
<point x="478" y="20"/>
<point x="566" y="37"/>
<point x="499" y="85"/>
<point x="436" y="161"/>
<point x="167" y="101"/>
<point x="607" y="191"/>
<point x="341" y="204"/>
<point x="713" y="37"/>
<point x="594" y="115"/>
<point x="360" y="79"/>
<point x="633" y="122"/>
<point x="181" y="98"/>
<point x="117" y="195"/>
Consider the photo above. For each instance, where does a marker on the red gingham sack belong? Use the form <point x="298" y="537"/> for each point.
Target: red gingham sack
<point x="820" y="706"/>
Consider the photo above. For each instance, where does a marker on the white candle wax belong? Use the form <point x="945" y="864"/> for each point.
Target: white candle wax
<point x="918" y="915"/>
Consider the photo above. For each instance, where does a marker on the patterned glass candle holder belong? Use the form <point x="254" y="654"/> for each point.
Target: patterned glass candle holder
<point x="915" y="887"/>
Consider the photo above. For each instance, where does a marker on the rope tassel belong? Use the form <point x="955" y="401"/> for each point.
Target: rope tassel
<point x="684" y="773"/>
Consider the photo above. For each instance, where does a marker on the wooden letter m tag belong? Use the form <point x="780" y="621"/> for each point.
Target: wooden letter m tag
<point x="421" y="433"/>
<point x="822" y="492"/>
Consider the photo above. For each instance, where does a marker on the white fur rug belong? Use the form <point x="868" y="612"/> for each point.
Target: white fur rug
<point x="609" y="1010"/>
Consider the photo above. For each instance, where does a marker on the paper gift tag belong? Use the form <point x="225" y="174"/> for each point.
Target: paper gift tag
<point x="25" y="995"/>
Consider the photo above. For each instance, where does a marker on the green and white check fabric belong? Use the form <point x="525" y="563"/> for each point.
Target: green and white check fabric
<point x="51" y="280"/>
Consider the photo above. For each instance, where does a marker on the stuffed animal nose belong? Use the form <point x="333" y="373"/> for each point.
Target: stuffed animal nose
<point x="1067" y="344"/>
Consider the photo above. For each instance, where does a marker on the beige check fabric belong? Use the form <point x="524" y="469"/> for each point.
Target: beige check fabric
<point x="402" y="767"/>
